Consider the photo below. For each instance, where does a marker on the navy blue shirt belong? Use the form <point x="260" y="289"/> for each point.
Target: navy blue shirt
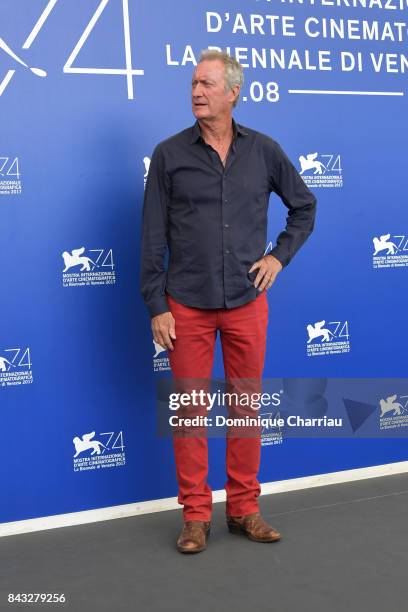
<point x="211" y="221"/>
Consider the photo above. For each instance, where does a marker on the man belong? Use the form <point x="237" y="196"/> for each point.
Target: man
<point x="206" y="201"/>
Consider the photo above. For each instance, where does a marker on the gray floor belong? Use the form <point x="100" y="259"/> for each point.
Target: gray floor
<point x="344" y="548"/>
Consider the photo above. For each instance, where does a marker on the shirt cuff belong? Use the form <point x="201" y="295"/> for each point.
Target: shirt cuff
<point x="158" y="306"/>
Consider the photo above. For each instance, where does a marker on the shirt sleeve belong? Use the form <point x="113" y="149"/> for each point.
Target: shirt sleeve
<point x="301" y="203"/>
<point x="154" y="236"/>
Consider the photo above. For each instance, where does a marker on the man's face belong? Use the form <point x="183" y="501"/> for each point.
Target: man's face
<point x="209" y="99"/>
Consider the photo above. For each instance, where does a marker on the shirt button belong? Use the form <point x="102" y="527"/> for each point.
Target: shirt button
<point x="226" y="225"/>
<point x="226" y="201"/>
<point x="227" y="251"/>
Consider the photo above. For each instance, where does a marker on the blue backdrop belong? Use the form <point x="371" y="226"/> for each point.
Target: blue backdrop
<point x="87" y="89"/>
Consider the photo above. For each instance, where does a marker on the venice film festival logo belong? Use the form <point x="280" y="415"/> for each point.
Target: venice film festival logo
<point x="10" y="177"/>
<point x="160" y="361"/>
<point x="327" y="338"/>
<point x="96" y="268"/>
<point x="146" y="162"/>
<point x="322" y="170"/>
<point x="15" y="367"/>
<point x="14" y="56"/>
<point x="271" y="434"/>
<point x="93" y="454"/>
<point x="390" y="251"/>
<point x="394" y="411"/>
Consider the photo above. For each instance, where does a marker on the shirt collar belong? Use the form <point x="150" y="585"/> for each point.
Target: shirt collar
<point x="237" y="129"/>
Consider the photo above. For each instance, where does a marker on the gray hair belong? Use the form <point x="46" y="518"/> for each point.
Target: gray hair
<point x="234" y="73"/>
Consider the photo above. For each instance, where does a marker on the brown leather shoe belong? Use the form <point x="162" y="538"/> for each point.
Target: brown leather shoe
<point x="254" y="527"/>
<point x="193" y="536"/>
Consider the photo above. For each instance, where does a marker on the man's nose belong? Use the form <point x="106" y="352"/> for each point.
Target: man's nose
<point x="196" y="90"/>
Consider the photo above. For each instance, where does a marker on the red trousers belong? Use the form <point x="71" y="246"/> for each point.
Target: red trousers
<point x="243" y="339"/>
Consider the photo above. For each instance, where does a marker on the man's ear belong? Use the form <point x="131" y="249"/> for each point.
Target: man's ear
<point x="235" y="91"/>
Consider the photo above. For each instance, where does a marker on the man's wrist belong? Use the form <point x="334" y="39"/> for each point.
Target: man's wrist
<point x="275" y="258"/>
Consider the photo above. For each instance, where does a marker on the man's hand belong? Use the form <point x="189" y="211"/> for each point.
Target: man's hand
<point x="164" y="329"/>
<point x="268" y="267"/>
